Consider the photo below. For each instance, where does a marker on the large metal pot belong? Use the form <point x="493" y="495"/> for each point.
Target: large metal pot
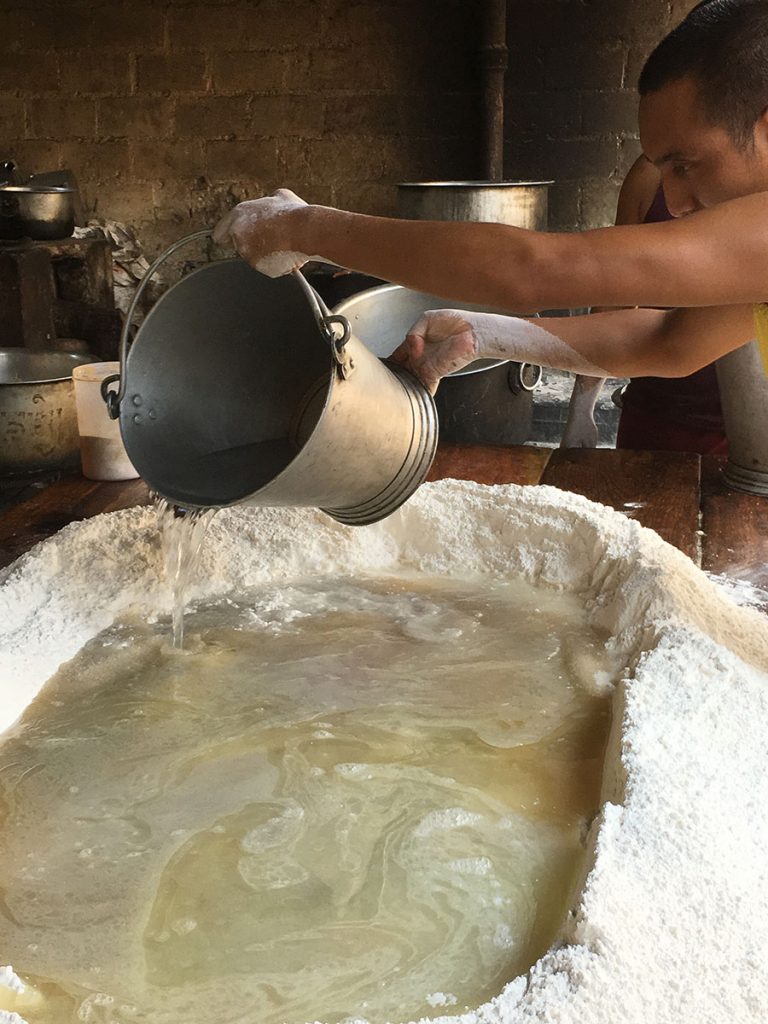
<point x="488" y="402"/>
<point x="40" y="212"/>
<point x="744" y="400"/>
<point x="522" y="204"/>
<point x="38" y="425"/>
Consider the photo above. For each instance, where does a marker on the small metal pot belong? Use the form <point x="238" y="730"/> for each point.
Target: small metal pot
<point x="38" y="424"/>
<point x="42" y="212"/>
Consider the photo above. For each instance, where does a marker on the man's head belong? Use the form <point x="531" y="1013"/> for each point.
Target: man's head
<point x="704" y="105"/>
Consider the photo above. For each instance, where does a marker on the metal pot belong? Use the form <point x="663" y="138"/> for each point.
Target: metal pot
<point x="488" y="402"/>
<point x="39" y="212"/>
<point x="522" y="204"/>
<point x="38" y="425"/>
<point x="744" y="400"/>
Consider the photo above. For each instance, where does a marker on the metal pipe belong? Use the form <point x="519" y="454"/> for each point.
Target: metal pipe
<point x="494" y="64"/>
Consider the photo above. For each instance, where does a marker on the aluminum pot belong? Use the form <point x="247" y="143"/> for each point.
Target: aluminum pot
<point x="488" y="402"/>
<point x="38" y="424"/>
<point x="522" y="204"/>
<point x="40" y="212"/>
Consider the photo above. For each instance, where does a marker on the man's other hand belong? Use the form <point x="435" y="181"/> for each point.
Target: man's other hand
<point x="439" y="343"/>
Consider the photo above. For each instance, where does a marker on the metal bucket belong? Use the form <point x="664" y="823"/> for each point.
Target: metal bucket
<point x="240" y="388"/>
<point x="522" y="204"/>
<point x="38" y="423"/>
<point x="744" y="401"/>
<point x="488" y="402"/>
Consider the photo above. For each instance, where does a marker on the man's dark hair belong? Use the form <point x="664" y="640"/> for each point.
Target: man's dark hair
<point x="723" y="45"/>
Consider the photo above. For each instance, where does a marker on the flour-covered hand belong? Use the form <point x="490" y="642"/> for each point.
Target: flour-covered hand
<point x="446" y="340"/>
<point x="260" y="231"/>
<point x="439" y="343"/>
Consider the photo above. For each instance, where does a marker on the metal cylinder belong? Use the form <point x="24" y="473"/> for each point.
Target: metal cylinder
<point x="240" y="389"/>
<point x="38" y="423"/>
<point x="488" y="402"/>
<point x="744" y="401"/>
<point x="521" y="204"/>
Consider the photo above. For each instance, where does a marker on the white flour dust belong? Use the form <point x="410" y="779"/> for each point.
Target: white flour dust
<point x="671" y="922"/>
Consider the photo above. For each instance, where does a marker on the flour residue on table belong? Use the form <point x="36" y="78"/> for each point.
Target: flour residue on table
<point x="670" y="919"/>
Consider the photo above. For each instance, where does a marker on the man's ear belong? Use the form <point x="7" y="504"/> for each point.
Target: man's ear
<point x="760" y="134"/>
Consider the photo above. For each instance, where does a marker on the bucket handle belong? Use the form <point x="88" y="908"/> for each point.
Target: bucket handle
<point x="344" y="361"/>
<point x="112" y="399"/>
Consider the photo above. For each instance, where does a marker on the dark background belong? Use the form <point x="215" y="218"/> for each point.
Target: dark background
<point x="168" y="112"/>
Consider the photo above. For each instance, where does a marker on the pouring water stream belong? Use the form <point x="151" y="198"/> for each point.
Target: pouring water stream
<point x="181" y="533"/>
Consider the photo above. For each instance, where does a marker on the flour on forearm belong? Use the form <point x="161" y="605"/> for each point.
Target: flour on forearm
<point x="509" y="337"/>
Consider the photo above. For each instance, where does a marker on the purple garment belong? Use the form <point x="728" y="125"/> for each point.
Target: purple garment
<point x="692" y="402"/>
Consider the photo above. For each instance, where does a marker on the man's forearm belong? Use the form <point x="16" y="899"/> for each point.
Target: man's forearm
<point x="490" y="265"/>
<point x="714" y="257"/>
<point x="627" y="343"/>
<point x="654" y="342"/>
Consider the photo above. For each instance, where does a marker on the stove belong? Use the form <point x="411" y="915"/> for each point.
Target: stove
<point x="56" y="294"/>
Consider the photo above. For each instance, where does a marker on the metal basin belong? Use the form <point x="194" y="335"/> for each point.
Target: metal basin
<point x="488" y="402"/>
<point x="38" y="425"/>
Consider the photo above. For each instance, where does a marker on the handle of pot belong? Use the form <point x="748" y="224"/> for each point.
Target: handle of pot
<point x="344" y="363"/>
<point x="114" y="398"/>
<point x="523" y="377"/>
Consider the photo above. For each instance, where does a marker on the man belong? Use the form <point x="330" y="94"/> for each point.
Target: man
<point x="703" y="125"/>
<point x="657" y="413"/>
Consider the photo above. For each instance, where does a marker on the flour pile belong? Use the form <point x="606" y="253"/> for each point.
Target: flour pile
<point x="671" y="923"/>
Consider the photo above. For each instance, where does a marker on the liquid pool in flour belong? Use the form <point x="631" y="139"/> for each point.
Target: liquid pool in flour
<point x="344" y="799"/>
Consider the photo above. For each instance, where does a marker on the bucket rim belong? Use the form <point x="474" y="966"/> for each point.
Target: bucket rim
<point x="476" y="184"/>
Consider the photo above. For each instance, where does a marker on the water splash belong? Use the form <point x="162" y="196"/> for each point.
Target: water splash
<point x="181" y="533"/>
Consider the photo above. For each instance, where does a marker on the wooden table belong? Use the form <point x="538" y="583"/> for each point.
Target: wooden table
<point x="680" y="496"/>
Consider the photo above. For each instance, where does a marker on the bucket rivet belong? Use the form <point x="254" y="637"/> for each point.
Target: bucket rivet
<point x="137" y="400"/>
<point x="137" y="419"/>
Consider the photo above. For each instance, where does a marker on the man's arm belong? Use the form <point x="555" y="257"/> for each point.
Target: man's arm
<point x="713" y="257"/>
<point x="654" y="342"/>
<point x="635" y="198"/>
<point x="626" y="343"/>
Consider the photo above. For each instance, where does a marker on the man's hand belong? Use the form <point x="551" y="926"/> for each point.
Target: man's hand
<point x="259" y="230"/>
<point x="441" y="342"/>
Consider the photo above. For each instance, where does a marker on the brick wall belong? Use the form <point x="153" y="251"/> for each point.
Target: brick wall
<point x="571" y="100"/>
<point x="169" y="112"/>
